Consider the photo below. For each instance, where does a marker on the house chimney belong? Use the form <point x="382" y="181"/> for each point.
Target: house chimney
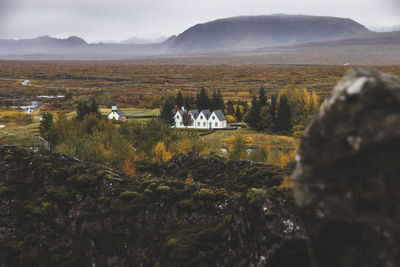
<point x="114" y="107"/>
<point x="183" y="108"/>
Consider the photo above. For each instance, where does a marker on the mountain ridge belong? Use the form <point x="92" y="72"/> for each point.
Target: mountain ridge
<point x="265" y="35"/>
<point x="251" y="32"/>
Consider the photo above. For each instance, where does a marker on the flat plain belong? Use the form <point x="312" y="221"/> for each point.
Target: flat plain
<point x="132" y="83"/>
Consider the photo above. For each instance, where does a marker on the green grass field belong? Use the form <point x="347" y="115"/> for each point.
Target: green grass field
<point x="133" y="111"/>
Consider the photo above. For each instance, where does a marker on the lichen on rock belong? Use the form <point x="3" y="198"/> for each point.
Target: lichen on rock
<point x="346" y="179"/>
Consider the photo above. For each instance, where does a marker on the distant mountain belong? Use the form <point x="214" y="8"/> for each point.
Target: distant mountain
<point x="275" y="39"/>
<point x="369" y="39"/>
<point x="42" y="44"/>
<point x="75" y="48"/>
<point x="250" y="32"/>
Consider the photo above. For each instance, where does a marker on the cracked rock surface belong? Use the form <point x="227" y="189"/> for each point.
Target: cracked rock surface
<point x="347" y="179"/>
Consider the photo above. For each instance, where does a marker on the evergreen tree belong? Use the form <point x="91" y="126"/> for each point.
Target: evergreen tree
<point x="179" y="100"/>
<point x="187" y="102"/>
<point x="284" y="115"/>
<point x="192" y="101"/>
<point x="214" y="105"/>
<point x="253" y="117"/>
<point x="238" y="114"/>
<point x="221" y="104"/>
<point x="47" y="129"/>
<point x="202" y="101"/>
<point x="45" y="124"/>
<point x="166" y="112"/>
<point x="87" y="107"/>
<point x="266" y="120"/>
<point x="245" y="106"/>
<point x="229" y="108"/>
<point x="82" y="109"/>
<point x="187" y="118"/>
<point x="262" y="98"/>
<point x="272" y="110"/>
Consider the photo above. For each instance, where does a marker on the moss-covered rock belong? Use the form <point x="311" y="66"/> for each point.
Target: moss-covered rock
<point x="57" y="211"/>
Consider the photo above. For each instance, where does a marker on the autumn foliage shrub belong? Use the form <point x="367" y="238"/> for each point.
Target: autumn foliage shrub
<point x="230" y="118"/>
<point x="15" y="117"/>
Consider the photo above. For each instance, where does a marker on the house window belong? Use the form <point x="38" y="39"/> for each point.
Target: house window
<point x="213" y="117"/>
<point x="216" y="124"/>
<point x="201" y="117"/>
<point x="177" y="116"/>
<point x="204" y="124"/>
<point x="198" y="123"/>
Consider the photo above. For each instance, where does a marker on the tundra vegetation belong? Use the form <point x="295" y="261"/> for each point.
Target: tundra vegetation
<point x="163" y="205"/>
<point x="275" y="102"/>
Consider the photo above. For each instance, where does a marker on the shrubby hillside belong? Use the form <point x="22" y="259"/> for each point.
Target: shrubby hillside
<point x="191" y="210"/>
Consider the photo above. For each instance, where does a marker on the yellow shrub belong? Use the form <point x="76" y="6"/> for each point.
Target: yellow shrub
<point x="285" y="159"/>
<point x="160" y="153"/>
<point x="230" y="118"/>
<point x="228" y="141"/>
<point x="249" y="140"/>
<point x="128" y="168"/>
<point x="184" y="146"/>
<point x="287" y="182"/>
<point x="189" y="180"/>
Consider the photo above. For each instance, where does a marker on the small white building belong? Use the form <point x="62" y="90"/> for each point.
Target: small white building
<point x="32" y="107"/>
<point x="204" y="119"/>
<point x="116" y="114"/>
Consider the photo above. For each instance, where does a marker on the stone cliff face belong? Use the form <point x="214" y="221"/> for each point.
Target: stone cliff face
<point x="347" y="176"/>
<point x="57" y="211"/>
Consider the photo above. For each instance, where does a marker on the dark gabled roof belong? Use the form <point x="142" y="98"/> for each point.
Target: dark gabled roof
<point x="206" y="113"/>
<point x="180" y="112"/>
<point x="120" y="113"/>
<point x="195" y="113"/>
<point x="220" y="115"/>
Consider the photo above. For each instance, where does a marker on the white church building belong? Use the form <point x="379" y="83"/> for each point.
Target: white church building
<point x="204" y="119"/>
<point x="116" y="114"/>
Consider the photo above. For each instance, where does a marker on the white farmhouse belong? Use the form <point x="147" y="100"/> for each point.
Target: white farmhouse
<point x="116" y="114"/>
<point x="204" y="119"/>
<point x="178" y="117"/>
<point x="217" y="120"/>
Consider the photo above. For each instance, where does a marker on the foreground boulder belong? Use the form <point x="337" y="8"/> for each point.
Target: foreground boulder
<point x="347" y="179"/>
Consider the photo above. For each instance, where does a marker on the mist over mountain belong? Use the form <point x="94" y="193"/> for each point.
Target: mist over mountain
<point x="42" y="44"/>
<point x="250" y="32"/>
<point x="245" y="35"/>
<point x="74" y="48"/>
<point x="139" y="40"/>
<point x="387" y="29"/>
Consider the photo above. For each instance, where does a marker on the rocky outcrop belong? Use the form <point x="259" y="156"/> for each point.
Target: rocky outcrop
<point x="59" y="211"/>
<point x="265" y="230"/>
<point x="347" y="175"/>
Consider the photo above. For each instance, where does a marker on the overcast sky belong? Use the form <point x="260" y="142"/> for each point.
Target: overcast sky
<point x="117" y="20"/>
